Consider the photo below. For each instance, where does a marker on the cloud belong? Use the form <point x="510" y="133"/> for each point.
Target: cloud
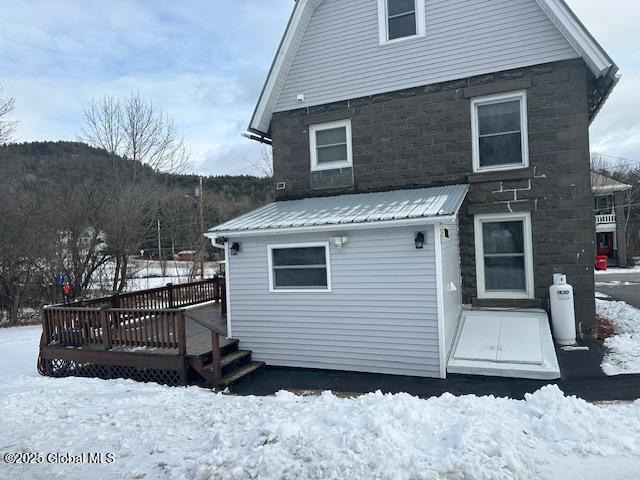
<point x="205" y="66"/>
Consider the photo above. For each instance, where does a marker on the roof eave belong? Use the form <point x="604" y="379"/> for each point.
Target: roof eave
<point x="261" y="118"/>
<point x="212" y="234"/>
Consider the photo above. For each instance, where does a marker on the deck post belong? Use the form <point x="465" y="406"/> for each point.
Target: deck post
<point x="106" y="331"/>
<point x="170" y="294"/>
<point x="182" y="334"/>
<point x="215" y="351"/>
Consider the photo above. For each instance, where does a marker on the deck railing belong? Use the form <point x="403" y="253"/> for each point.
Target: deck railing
<point x="147" y="319"/>
<point x="169" y="296"/>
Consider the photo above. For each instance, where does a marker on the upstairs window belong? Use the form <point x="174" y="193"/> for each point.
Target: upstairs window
<point x="400" y="19"/>
<point x="499" y="125"/>
<point x="330" y="145"/>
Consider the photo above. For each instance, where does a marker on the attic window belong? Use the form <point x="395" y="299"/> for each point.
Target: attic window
<point x="400" y="19"/>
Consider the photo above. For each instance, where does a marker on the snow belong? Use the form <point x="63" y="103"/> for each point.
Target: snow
<point x="158" y="432"/>
<point x="617" y="270"/>
<point x="622" y="349"/>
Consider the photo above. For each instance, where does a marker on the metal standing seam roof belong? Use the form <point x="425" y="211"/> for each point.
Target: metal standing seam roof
<point x="351" y="209"/>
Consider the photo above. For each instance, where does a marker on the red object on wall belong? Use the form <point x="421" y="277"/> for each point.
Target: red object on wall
<point x="601" y="262"/>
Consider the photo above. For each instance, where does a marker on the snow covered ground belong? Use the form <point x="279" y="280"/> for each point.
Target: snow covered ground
<point x="623" y="349"/>
<point x="157" y="432"/>
<point x="611" y="270"/>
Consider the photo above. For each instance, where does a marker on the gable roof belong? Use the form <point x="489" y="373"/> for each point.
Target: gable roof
<point x="557" y="11"/>
<point x="601" y="183"/>
<point x="416" y="206"/>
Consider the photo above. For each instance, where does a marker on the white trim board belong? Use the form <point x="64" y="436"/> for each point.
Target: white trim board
<point x="525" y="218"/>
<point x="521" y="97"/>
<point x="327" y="255"/>
<point x="557" y="10"/>
<point x="437" y="234"/>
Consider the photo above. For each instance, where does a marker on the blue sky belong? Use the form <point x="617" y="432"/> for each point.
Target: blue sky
<point x="204" y="62"/>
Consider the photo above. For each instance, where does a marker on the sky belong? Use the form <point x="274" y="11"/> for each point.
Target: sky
<point x="204" y="62"/>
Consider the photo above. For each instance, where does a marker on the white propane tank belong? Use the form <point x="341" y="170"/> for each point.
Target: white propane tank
<point x="563" y="316"/>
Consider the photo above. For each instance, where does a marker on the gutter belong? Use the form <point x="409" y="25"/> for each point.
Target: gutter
<point x="213" y="235"/>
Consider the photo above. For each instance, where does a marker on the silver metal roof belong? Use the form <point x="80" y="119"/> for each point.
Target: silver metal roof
<point x="350" y="209"/>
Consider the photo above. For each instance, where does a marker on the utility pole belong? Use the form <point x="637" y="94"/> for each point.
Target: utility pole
<point x="201" y="242"/>
<point x="160" y="249"/>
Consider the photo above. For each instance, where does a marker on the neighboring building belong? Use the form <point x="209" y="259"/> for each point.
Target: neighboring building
<point x="610" y="197"/>
<point x="448" y="145"/>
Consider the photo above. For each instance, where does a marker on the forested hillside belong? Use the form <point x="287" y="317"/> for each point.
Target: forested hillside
<point x="69" y="207"/>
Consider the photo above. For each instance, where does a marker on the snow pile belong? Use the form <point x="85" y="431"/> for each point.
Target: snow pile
<point x="177" y="433"/>
<point x="623" y="349"/>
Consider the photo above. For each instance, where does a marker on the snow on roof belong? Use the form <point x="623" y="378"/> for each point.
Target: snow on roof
<point x="602" y="183"/>
<point x="345" y="210"/>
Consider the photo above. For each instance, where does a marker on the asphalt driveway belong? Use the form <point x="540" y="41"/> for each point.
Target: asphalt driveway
<point x="620" y="285"/>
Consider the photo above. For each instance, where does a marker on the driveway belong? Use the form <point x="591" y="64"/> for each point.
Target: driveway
<point x="620" y="285"/>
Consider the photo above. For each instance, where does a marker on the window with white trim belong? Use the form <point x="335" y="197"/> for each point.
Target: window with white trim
<point x="302" y="267"/>
<point x="504" y="258"/>
<point x="330" y="145"/>
<point x="400" y="19"/>
<point x="499" y="127"/>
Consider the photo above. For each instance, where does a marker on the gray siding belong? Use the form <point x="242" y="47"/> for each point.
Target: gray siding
<point x="340" y="57"/>
<point x="451" y="275"/>
<point x="381" y="315"/>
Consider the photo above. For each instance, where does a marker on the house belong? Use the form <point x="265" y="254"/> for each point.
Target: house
<point x="431" y="163"/>
<point x="610" y="197"/>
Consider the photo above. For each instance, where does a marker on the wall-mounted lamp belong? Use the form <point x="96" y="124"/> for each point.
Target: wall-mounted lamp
<point x="339" y="242"/>
<point x="419" y="240"/>
<point x="234" y="249"/>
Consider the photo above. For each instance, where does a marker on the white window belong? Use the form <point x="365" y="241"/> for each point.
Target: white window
<point x="331" y="145"/>
<point x="400" y="19"/>
<point x="299" y="267"/>
<point x="499" y="132"/>
<point x="504" y="256"/>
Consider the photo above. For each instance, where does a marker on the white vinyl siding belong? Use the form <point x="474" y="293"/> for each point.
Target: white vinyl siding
<point x="499" y="132"/>
<point x="381" y="315"/>
<point x="340" y="56"/>
<point x="504" y="255"/>
<point x="330" y="145"/>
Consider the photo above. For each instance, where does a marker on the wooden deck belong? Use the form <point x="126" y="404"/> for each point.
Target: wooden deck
<point x="175" y="335"/>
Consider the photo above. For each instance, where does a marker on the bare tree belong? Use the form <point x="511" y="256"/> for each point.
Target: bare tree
<point x="264" y="164"/>
<point x="135" y="129"/>
<point x="141" y="133"/>
<point x="7" y="126"/>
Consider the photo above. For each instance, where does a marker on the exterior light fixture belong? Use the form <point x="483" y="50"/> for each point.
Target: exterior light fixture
<point x="339" y="242"/>
<point x="235" y="248"/>
<point x="419" y="240"/>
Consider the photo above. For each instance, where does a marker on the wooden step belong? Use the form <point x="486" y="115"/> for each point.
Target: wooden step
<point x="242" y="372"/>
<point x="234" y="357"/>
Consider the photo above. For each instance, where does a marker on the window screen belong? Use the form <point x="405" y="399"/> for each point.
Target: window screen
<point x="504" y="256"/>
<point x="401" y="18"/>
<point x="331" y="145"/>
<point x="299" y="268"/>
<point x="499" y="133"/>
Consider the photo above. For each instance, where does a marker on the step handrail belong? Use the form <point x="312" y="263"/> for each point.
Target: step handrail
<point x="215" y="348"/>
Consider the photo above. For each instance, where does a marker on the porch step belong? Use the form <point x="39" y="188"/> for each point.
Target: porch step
<point x="241" y="372"/>
<point x="235" y="357"/>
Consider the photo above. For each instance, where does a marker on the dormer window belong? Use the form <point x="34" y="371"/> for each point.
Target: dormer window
<point x="330" y="145"/>
<point x="400" y="19"/>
